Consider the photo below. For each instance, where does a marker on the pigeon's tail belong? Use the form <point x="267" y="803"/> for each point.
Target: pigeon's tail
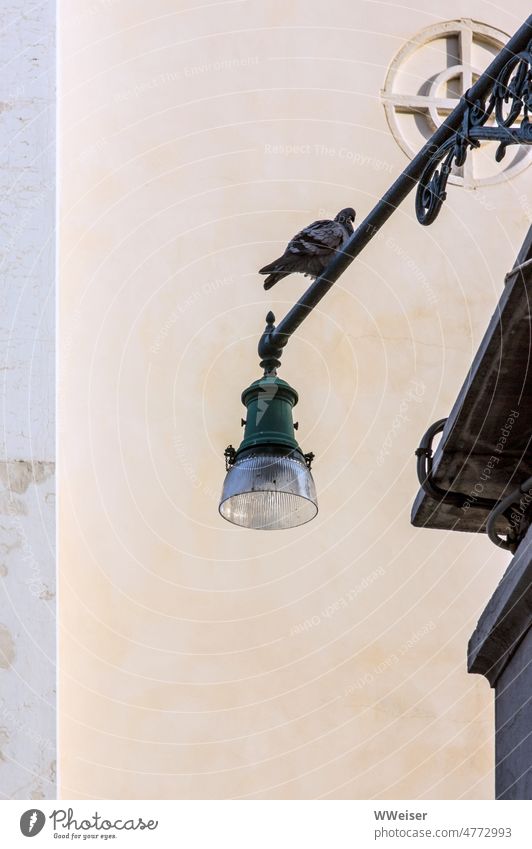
<point x="272" y="279"/>
<point x="276" y="270"/>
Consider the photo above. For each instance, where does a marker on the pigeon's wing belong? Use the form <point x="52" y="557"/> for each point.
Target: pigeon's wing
<point x="318" y="239"/>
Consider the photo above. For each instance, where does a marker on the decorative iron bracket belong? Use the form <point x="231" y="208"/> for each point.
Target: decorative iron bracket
<point x="510" y="97"/>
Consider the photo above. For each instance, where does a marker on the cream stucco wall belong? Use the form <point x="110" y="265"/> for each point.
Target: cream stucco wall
<point x="197" y="659"/>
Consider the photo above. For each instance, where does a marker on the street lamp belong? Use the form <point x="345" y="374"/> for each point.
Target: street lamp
<point x="268" y="483"/>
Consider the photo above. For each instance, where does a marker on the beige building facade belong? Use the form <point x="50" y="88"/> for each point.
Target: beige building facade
<point x="200" y="660"/>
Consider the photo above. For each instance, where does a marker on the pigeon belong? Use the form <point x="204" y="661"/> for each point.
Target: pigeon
<point x="310" y="250"/>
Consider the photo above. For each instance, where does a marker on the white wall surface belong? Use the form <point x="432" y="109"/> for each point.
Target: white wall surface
<point x="27" y="468"/>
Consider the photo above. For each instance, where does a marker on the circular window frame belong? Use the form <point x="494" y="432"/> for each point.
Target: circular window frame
<point x="479" y="32"/>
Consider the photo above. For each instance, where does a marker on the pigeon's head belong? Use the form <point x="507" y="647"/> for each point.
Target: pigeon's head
<point x="346" y="216"/>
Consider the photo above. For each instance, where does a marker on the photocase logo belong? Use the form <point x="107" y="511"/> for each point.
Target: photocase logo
<point x="64" y="824"/>
<point x="32" y="822"/>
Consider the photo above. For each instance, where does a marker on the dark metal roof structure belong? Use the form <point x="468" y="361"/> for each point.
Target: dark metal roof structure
<point x="485" y="449"/>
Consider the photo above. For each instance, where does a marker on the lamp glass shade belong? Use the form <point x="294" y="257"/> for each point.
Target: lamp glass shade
<point x="269" y="490"/>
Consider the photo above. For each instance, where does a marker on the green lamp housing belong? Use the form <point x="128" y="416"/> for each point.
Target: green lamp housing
<point x="268" y="485"/>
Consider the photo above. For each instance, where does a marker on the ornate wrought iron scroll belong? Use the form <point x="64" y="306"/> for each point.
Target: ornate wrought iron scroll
<point x="511" y="96"/>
